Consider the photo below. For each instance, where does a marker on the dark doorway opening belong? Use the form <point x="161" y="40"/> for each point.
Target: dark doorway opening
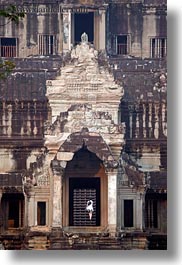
<point x="41" y="213"/>
<point x="82" y="190"/>
<point x="128" y="213"/>
<point x="84" y="23"/>
<point x="13" y="217"/>
<point x="13" y="209"/>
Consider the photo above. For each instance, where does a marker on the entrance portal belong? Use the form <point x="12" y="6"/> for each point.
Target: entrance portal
<point x="84" y="23"/>
<point x="13" y="209"/>
<point x="81" y="191"/>
<point x="85" y="182"/>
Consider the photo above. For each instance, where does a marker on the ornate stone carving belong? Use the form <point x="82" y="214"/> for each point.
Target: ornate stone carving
<point x="161" y="85"/>
<point x="84" y="95"/>
<point x="84" y="38"/>
<point x="81" y="78"/>
<point x="37" y="174"/>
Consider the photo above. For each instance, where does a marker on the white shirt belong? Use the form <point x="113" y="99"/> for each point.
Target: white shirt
<point x="89" y="206"/>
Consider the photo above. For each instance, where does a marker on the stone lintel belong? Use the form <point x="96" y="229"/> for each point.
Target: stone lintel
<point x="65" y="156"/>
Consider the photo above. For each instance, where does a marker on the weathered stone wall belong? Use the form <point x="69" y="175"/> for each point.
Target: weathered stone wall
<point x="137" y="20"/>
<point x="140" y="21"/>
<point x="77" y="91"/>
<point x="144" y="109"/>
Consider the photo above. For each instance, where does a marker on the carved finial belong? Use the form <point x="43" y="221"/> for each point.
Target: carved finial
<point x="84" y="38"/>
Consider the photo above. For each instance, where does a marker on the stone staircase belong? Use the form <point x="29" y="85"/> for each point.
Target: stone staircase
<point x="45" y="239"/>
<point x="96" y="241"/>
<point x="12" y="240"/>
<point x="84" y="242"/>
<point x="38" y="242"/>
<point x="37" y="239"/>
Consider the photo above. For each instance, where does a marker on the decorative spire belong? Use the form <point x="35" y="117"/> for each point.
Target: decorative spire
<point x="84" y="38"/>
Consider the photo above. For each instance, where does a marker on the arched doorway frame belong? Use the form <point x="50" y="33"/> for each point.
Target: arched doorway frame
<point x="102" y="175"/>
<point x="95" y="144"/>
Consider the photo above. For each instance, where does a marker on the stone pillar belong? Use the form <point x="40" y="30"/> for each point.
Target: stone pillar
<point x="9" y="120"/>
<point x="66" y="30"/>
<point x="102" y="30"/>
<point x="164" y="119"/>
<point x="139" y="212"/>
<point x="156" y="130"/>
<point x="143" y="210"/>
<point x="26" y="210"/>
<point x="150" y="119"/>
<point x="57" y="209"/>
<point x="4" y="118"/>
<point x="57" y="201"/>
<point x="144" y="121"/>
<point x="31" y="209"/>
<point x="112" y="202"/>
<point x="96" y="30"/>
<point x="1" y="217"/>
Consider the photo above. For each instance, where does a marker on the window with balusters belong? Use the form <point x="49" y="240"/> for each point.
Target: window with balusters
<point x="158" y="47"/>
<point x="122" y="46"/>
<point x="47" y="44"/>
<point x="8" y="47"/>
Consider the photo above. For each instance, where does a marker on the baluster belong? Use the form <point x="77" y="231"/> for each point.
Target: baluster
<point x="4" y="118"/>
<point x="144" y="121"/>
<point x="156" y="129"/>
<point x="29" y="131"/>
<point x="150" y="120"/>
<point x="9" y="120"/>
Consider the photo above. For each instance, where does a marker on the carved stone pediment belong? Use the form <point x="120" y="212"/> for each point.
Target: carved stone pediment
<point x="83" y="80"/>
<point x="85" y="95"/>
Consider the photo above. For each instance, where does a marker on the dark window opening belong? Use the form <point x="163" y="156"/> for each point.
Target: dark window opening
<point x="128" y="213"/>
<point x="8" y="47"/>
<point x="47" y="44"/>
<point x="13" y="210"/>
<point x="84" y="23"/>
<point x="151" y="214"/>
<point x="41" y="213"/>
<point x="81" y="190"/>
<point x="13" y="217"/>
<point x="122" y="44"/>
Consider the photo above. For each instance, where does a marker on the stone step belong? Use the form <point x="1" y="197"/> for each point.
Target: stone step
<point x="12" y="244"/>
<point x="38" y="242"/>
<point x="85" y="243"/>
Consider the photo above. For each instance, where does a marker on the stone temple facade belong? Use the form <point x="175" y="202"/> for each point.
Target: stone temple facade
<point x="83" y="116"/>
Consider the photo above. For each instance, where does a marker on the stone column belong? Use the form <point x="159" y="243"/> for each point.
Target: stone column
<point x="1" y="217"/>
<point x="112" y="202"/>
<point x="144" y="121"/>
<point x="9" y="120"/>
<point x="57" y="194"/>
<point x="102" y="30"/>
<point x="156" y="130"/>
<point x="57" y="202"/>
<point x="66" y="30"/>
<point x="96" y="30"/>
<point x="31" y="209"/>
<point x="4" y="118"/>
<point x="139" y="212"/>
<point x="25" y="222"/>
